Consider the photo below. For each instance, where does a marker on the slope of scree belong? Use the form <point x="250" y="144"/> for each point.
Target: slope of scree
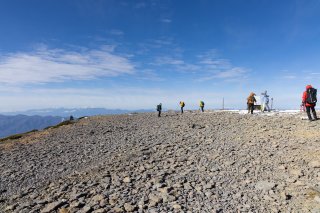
<point x="195" y="162"/>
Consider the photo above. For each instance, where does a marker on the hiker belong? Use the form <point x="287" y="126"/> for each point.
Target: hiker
<point x="250" y="102"/>
<point x="309" y="100"/>
<point x="71" y="118"/>
<point x="182" y="105"/>
<point x="159" y="108"/>
<point x="265" y="102"/>
<point x="201" y="105"/>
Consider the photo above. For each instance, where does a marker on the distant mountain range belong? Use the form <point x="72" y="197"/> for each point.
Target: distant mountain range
<point x="10" y="125"/>
<point x="24" y="121"/>
<point x="75" y="112"/>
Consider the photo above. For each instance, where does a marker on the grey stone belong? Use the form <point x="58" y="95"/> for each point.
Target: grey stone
<point x="86" y="209"/>
<point x="128" y="207"/>
<point x="314" y="164"/>
<point x="265" y="185"/>
<point x="52" y="207"/>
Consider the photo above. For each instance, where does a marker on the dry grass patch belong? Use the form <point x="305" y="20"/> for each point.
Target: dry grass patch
<point x="33" y="138"/>
<point x="24" y="138"/>
<point x="312" y="193"/>
<point x="17" y="136"/>
<point x="307" y="133"/>
<point x="63" y="123"/>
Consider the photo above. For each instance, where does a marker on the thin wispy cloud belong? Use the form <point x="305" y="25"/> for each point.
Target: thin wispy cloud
<point x="163" y="41"/>
<point x="217" y="63"/>
<point x="289" y="77"/>
<point x="157" y="43"/>
<point x="57" y="65"/>
<point x="311" y="75"/>
<point x="140" y="5"/>
<point x="212" y="60"/>
<point x="166" y="60"/>
<point x="304" y="75"/>
<point x="204" y="67"/>
<point x="166" y="20"/>
<point x="149" y="75"/>
<point x="234" y="74"/>
<point x="220" y="68"/>
<point x="187" y="67"/>
<point x="209" y="54"/>
<point x="116" y="32"/>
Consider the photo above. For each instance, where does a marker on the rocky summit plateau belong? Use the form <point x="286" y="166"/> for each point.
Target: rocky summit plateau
<point x="195" y="162"/>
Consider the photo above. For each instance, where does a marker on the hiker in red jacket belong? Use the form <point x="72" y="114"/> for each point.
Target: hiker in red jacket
<point x="309" y="99"/>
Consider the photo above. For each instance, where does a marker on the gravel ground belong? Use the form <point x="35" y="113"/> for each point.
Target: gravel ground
<point x="195" y="162"/>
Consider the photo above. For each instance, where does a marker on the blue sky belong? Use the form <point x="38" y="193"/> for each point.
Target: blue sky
<point x="135" y="54"/>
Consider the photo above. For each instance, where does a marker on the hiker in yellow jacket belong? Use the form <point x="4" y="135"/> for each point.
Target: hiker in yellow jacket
<point x="182" y="105"/>
<point x="201" y="105"/>
<point x="250" y="102"/>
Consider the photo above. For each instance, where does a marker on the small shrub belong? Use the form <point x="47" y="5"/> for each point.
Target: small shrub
<point x="48" y="127"/>
<point x="83" y="117"/>
<point x="63" y="123"/>
<point x="17" y="136"/>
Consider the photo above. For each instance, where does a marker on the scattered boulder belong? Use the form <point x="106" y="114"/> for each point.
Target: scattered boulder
<point x="52" y="206"/>
<point x="314" y="164"/>
<point x="128" y="207"/>
<point x="127" y="180"/>
<point x="265" y="185"/>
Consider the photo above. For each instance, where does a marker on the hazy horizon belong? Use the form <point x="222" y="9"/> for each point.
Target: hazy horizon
<point x="129" y="110"/>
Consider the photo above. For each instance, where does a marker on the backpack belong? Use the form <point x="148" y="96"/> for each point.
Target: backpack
<point x="251" y="100"/>
<point x="201" y="103"/>
<point x="159" y="107"/>
<point x="311" y="96"/>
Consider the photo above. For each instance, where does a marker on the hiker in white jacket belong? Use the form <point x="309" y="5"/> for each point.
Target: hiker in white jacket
<point x="265" y="102"/>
